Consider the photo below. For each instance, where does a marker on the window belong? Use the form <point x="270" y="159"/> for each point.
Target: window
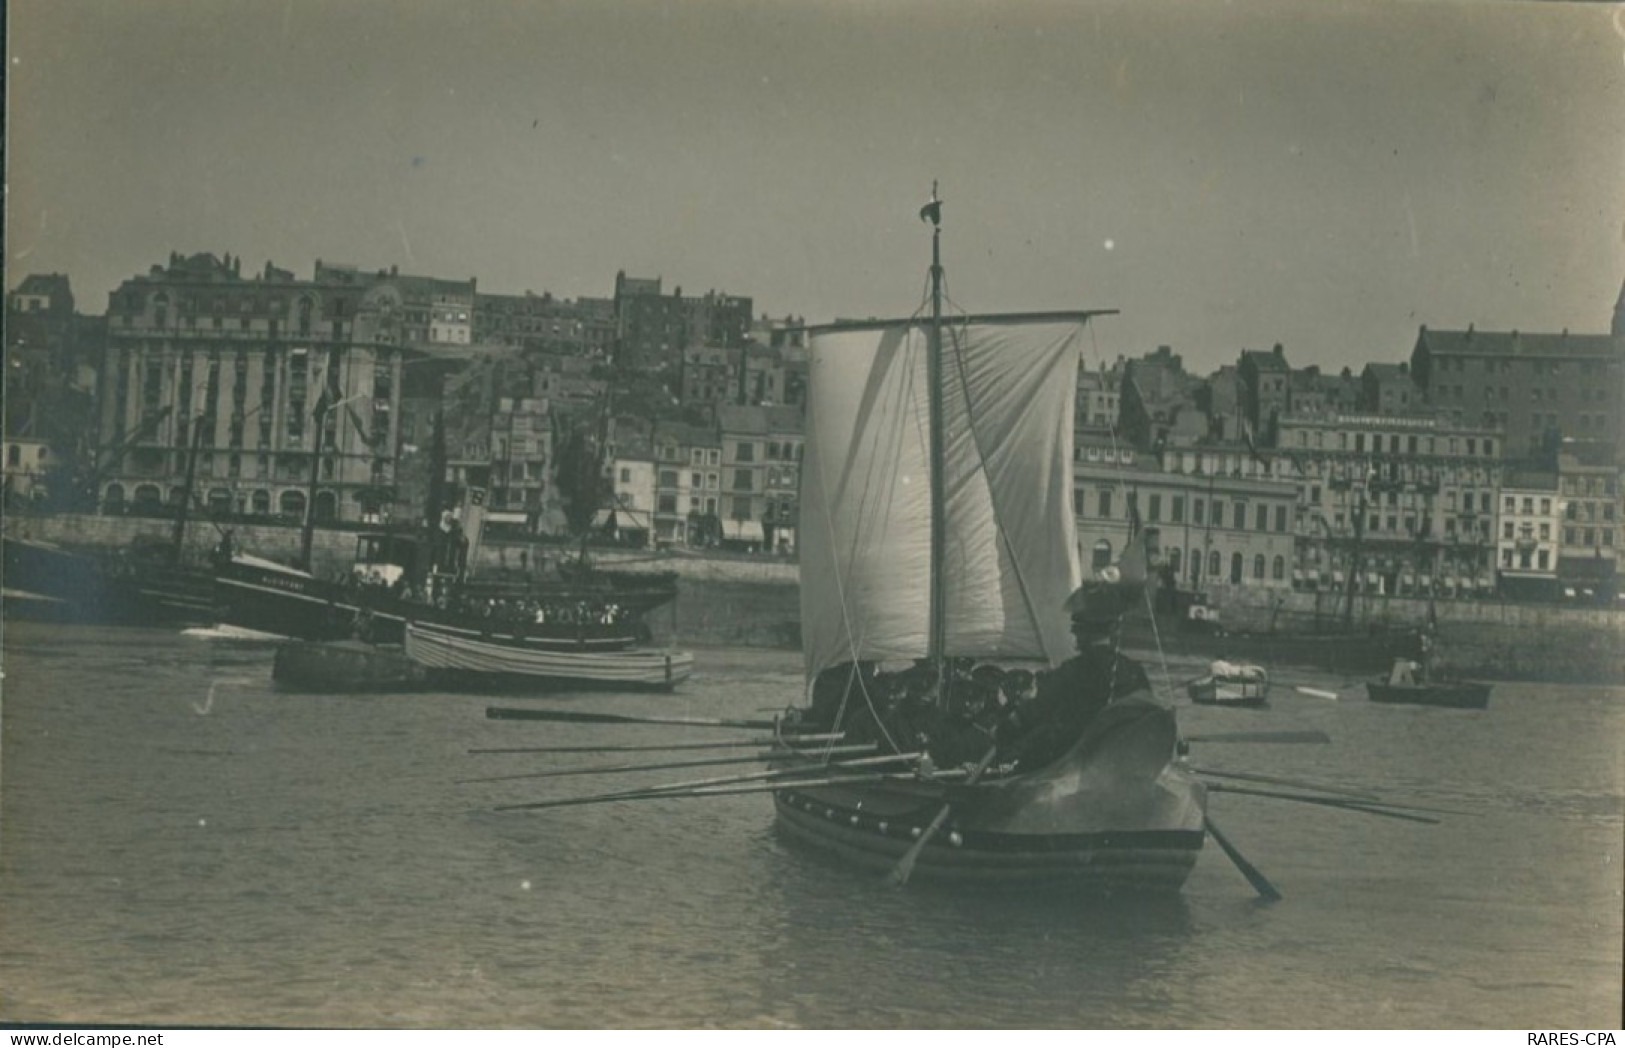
<point x="1258" y="567"/>
<point x="1177" y="510"/>
<point x="668" y="478"/>
<point x="1278" y="568"/>
<point x="1213" y="563"/>
<point x="1104" y="505"/>
<point x="1101" y="556"/>
<point x="1261" y="517"/>
<point x="1544" y="559"/>
<point x="1506" y="530"/>
<point x="1196" y="511"/>
<point x="742" y="481"/>
<point x="1238" y="517"/>
<point x="744" y="451"/>
<point x="1153" y="510"/>
<point x="1235" y="568"/>
<point x="1218" y="515"/>
<point x="626" y="475"/>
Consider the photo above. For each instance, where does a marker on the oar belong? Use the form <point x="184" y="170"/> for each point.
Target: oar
<point x="1383" y="809"/>
<point x="1261" y="884"/>
<point x="834" y="736"/>
<point x="698" y="762"/>
<point x="905" y="866"/>
<point x="675" y="790"/>
<point x="1274" y="781"/>
<point x="578" y="717"/>
<point x="1262" y="736"/>
<point x="1319" y="693"/>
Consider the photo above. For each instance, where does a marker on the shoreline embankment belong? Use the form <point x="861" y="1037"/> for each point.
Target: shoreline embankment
<point x="754" y="600"/>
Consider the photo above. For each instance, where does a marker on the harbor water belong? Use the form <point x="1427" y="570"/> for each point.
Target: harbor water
<point x="182" y="844"/>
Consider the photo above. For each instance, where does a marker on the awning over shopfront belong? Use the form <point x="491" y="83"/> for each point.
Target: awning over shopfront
<point x="627" y="519"/>
<point x="742" y="530"/>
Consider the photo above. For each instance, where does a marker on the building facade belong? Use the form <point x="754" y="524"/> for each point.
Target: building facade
<point x="761" y="474"/>
<point x="1528" y="532"/>
<point x="1540" y="389"/>
<point x="1393" y="504"/>
<point x="1214" y="525"/>
<point x="243" y="373"/>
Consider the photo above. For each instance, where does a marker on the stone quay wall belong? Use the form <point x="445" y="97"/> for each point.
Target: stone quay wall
<point x="1491" y="639"/>
<point x="753" y="600"/>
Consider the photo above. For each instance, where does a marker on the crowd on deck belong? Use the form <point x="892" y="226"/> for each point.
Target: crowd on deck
<point x="1029" y="718"/>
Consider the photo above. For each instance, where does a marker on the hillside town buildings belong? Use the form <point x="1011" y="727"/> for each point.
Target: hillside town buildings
<point x="1485" y="463"/>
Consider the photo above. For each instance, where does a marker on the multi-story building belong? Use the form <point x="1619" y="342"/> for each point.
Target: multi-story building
<point x="1099" y="396"/>
<point x="1540" y="389"/>
<point x="246" y="371"/>
<point x="1158" y="399"/>
<point x="1529" y="528"/>
<point x="1316" y="394"/>
<point x="1265" y="390"/>
<point x="544" y="324"/>
<point x="1589" y="545"/>
<point x="688" y="485"/>
<point x="710" y="376"/>
<point x="761" y="474"/>
<point x="1387" y="389"/>
<point x="1214" y="525"/>
<point x="521" y="457"/>
<point x="1406" y="504"/>
<point x="653" y="329"/>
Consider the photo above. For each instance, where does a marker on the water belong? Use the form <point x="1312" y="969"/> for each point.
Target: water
<point x="181" y="844"/>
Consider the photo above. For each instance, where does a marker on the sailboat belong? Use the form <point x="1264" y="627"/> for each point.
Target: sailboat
<point x="937" y="526"/>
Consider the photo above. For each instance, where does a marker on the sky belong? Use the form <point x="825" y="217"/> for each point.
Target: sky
<point x="1327" y="175"/>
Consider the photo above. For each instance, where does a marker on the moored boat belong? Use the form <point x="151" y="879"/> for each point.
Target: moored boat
<point x="1231" y="684"/>
<point x="464" y="657"/>
<point x="374" y="600"/>
<point x="1460" y="695"/>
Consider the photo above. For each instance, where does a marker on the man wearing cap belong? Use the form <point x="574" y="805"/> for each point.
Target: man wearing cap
<point x="1073" y="693"/>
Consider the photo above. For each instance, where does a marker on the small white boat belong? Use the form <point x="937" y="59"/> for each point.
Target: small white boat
<point x="454" y="655"/>
<point x="1231" y="684"/>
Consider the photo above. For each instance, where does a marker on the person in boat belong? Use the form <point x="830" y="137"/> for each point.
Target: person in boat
<point x="1072" y="694"/>
<point x="840" y="692"/>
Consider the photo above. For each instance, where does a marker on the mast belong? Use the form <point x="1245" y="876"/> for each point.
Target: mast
<point x="938" y="635"/>
<point x="177" y="541"/>
<point x="326" y="403"/>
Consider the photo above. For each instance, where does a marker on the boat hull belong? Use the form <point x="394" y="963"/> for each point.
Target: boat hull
<point x="293" y="604"/>
<point x="1117" y="812"/>
<point x="1457" y="695"/>
<point x="1245" y="693"/>
<point x="455" y="658"/>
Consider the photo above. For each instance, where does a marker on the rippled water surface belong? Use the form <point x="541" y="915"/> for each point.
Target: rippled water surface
<point x="182" y="844"/>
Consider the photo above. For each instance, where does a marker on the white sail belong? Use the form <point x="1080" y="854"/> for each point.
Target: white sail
<point x="1011" y="556"/>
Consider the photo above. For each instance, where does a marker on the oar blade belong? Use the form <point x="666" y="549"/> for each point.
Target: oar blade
<point x="586" y="717"/>
<point x="1261" y="884"/>
<point x="1310" y="737"/>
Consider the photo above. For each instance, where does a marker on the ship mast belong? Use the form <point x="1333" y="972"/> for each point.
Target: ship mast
<point x="938" y="635"/>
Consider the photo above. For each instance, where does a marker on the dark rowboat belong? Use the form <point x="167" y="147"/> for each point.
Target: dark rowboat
<point x="1460" y="695"/>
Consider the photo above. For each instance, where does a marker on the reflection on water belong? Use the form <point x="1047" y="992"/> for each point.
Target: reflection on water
<point x="183" y="844"/>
